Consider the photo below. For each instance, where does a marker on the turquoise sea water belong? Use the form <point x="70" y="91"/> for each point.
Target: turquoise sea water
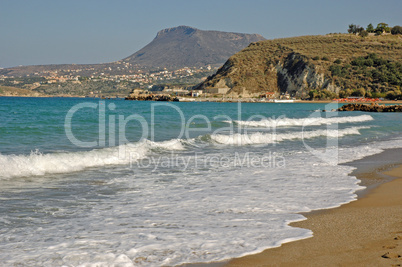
<point x="89" y="181"/>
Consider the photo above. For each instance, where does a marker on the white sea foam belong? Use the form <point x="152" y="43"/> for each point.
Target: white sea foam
<point x="39" y="164"/>
<point x="196" y="217"/>
<point x="268" y="138"/>
<point x="313" y="121"/>
<point x="221" y="214"/>
<point x="113" y="215"/>
<point x="358" y="152"/>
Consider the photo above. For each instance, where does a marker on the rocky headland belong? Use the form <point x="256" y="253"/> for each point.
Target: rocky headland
<point x="371" y="108"/>
<point x="315" y="67"/>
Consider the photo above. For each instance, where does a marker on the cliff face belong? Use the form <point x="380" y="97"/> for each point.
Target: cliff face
<point x="301" y="64"/>
<point x="297" y="76"/>
<point x="253" y="73"/>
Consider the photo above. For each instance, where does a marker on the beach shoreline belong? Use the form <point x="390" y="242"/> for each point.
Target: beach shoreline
<point x="365" y="232"/>
<point x="381" y="175"/>
<point x="215" y="100"/>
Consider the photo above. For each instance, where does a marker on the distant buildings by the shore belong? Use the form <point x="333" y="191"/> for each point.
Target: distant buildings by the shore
<point x="140" y="76"/>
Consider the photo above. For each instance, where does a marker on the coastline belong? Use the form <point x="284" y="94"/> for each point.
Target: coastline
<point x="216" y="100"/>
<point x="365" y="232"/>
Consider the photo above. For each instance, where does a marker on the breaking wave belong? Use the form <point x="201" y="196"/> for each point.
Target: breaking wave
<point x="39" y="164"/>
<point x="286" y="122"/>
<point x="268" y="138"/>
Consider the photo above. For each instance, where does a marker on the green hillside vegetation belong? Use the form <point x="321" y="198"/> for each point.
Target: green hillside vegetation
<point x="324" y="50"/>
<point x="13" y="91"/>
<point x="373" y="77"/>
<point x="349" y="62"/>
<point x="107" y="88"/>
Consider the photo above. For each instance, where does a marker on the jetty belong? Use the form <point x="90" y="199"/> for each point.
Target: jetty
<point x="374" y="107"/>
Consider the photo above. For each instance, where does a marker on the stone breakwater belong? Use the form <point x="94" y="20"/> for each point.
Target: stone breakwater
<point x="371" y="108"/>
<point x="153" y="98"/>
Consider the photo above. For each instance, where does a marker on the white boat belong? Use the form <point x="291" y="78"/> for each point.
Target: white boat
<point x="283" y="101"/>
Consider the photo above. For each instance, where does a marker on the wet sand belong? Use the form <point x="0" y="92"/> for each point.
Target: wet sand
<point x="366" y="232"/>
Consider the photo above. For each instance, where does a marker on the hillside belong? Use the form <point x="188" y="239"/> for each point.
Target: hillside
<point x="186" y="46"/>
<point x="61" y="69"/>
<point x="13" y="91"/>
<point x="322" y="66"/>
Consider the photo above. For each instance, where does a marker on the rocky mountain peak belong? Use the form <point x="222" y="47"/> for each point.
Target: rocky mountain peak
<point x="187" y="30"/>
<point x="185" y="46"/>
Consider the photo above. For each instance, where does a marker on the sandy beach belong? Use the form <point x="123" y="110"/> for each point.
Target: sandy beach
<point x="366" y="232"/>
<point x="260" y="100"/>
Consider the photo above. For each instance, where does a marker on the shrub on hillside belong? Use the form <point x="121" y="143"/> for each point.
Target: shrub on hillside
<point x="338" y="70"/>
<point x="363" y="34"/>
<point x="394" y="95"/>
<point x="345" y="93"/>
<point x="396" y="30"/>
<point x="321" y="94"/>
<point x="359" y="92"/>
<point x="377" y="95"/>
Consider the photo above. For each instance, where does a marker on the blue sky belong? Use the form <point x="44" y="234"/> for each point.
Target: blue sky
<point x="95" y="31"/>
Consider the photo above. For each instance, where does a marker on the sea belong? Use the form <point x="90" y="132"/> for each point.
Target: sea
<point x="91" y="182"/>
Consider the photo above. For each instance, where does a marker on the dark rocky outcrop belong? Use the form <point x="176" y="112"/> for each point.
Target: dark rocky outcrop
<point x="153" y="98"/>
<point x="371" y="108"/>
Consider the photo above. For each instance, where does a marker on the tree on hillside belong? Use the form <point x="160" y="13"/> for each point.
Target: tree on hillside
<point x="381" y="28"/>
<point x="396" y="30"/>
<point x="345" y="93"/>
<point x="321" y="94"/>
<point x="370" y="28"/>
<point x="352" y="28"/>
<point x="359" y="92"/>
<point x="355" y="29"/>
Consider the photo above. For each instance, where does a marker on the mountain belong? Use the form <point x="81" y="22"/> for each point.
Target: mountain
<point x="172" y="48"/>
<point x="315" y="66"/>
<point x="186" y="46"/>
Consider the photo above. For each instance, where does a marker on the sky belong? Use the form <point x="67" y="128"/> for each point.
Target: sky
<point x="96" y="31"/>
